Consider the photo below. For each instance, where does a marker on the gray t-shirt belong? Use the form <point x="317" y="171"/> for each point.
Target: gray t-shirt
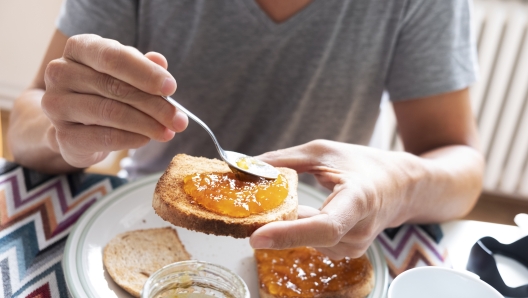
<point x="263" y="86"/>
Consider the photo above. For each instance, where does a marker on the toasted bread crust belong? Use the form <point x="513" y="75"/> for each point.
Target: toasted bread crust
<point x="130" y="257"/>
<point x="357" y="290"/>
<point x="175" y="206"/>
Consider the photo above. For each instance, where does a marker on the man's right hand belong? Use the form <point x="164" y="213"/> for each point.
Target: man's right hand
<point x="102" y="96"/>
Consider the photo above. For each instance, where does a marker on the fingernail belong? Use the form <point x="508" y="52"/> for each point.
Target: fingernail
<point x="180" y="122"/>
<point x="262" y="242"/>
<point x="168" y="87"/>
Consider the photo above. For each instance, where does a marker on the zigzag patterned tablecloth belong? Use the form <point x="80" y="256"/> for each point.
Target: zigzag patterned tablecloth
<point x="37" y="211"/>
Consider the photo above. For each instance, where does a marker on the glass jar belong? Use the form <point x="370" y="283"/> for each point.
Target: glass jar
<point x="194" y="279"/>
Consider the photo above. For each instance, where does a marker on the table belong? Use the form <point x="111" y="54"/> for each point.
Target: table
<point x="37" y="211"/>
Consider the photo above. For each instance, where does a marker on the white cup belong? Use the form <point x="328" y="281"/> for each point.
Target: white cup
<point x="439" y="282"/>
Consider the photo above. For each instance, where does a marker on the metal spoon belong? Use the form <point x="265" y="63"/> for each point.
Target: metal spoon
<point x="253" y="168"/>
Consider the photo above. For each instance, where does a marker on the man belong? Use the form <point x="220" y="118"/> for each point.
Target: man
<point x="266" y="75"/>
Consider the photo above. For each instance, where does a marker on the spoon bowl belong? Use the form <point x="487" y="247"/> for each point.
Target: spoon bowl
<point x="245" y="167"/>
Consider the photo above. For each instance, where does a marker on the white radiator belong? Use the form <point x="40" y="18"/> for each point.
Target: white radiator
<point x="499" y="98"/>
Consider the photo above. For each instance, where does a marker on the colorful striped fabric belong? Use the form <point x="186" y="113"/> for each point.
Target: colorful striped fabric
<point x="37" y="212"/>
<point x="412" y="246"/>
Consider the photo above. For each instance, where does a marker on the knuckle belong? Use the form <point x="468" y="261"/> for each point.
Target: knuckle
<point x="322" y="147"/>
<point x="108" y="137"/>
<point x="163" y="108"/>
<point x="164" y="111"/>
<point x="64" y="136"/>
<point x="109" y="56"/>
<point x="336" y="231"/>
<point x="131" y="48"/>
<point x="72" y="45"/>
<point x="49" y="104"/>
<point x="364" y="195"/>
<point x="55" y="72"/>
<point x="367" y="201"/>
<point x="76" y="40"/>
<point x="320" y="143"/>
<point x="79" y="43"/>
<point x="113" y="139"/>
<point x="52" y="106"/>
<point x="153" y="77"/>
<point x="109" y="111"/>
<point x="286" y="242"/>
<point x="115" y="88"/>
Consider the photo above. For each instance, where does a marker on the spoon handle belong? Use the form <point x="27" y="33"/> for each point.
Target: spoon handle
<point x="199" y="121"/>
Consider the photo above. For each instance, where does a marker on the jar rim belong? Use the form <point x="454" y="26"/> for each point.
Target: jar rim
<point x="198" y="265"/>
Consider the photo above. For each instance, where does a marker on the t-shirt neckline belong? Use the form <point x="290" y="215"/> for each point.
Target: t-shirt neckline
<point x="265" y="20"/>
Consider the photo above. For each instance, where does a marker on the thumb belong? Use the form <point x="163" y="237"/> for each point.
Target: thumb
<point x="299" y="158"/>
<point x="323" y="228"/>
<point x="311" y="231"/>
<point x="265" y="237"/>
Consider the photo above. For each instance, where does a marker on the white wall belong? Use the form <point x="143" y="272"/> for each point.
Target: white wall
<point x="26" y="27"/>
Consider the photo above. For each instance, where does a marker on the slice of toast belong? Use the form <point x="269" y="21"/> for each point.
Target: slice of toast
<point x="130" y="258"/>
<point x="273" y="275"/>
<point x="175" y="206"/>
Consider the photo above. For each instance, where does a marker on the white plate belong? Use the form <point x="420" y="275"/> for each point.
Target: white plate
<point x="129" y="208"/>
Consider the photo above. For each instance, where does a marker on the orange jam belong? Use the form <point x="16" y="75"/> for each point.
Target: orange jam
<point x="223" y="193"/>
<point x="243" y="163"/>
<point x="305" y="272"/>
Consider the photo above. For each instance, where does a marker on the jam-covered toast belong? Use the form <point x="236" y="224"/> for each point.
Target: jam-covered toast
<point x="305" y="272"/>
<point x="174" y="205"/>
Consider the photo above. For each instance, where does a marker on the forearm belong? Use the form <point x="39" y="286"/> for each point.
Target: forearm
<point x="447" y="186"/>
<point x="28" y="136"/>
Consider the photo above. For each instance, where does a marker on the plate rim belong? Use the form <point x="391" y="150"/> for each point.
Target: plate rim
<point x="96" y="208"/>
<point x="73" y="281"/>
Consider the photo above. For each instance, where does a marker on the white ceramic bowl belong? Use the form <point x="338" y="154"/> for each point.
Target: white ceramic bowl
<point x="438" y="282"/>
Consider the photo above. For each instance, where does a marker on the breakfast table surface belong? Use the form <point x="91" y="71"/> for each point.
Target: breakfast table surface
<point x="37" y="212"/>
